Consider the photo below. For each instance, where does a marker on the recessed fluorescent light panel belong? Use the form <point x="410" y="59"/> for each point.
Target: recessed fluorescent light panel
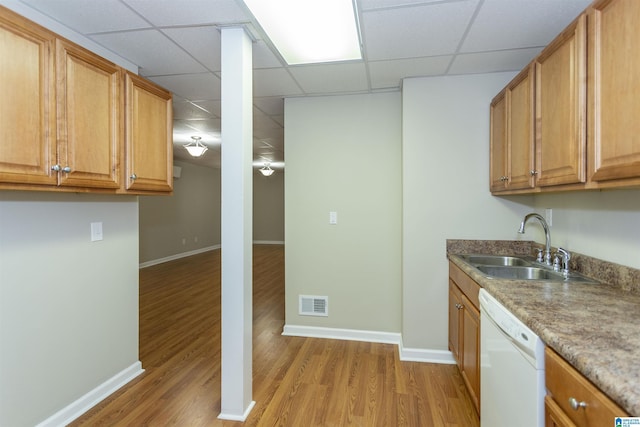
<point x="310" y="31"/>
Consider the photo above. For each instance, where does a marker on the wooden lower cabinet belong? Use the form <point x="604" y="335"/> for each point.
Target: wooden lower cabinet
<point x="464" y="329"/>
<point x="573" y="401"/>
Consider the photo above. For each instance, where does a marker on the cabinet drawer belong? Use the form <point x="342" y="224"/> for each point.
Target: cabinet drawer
<point x="564" y="383"/>
<point x="466" y="284"/>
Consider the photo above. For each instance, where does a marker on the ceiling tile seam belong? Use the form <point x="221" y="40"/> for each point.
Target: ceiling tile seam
<point x="464" y="36"/>
<point x="363" y="50"/>
<point x="499" y="50"/>
<point x="411" y="5"/>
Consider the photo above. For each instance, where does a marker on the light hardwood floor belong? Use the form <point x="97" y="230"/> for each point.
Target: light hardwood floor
<point x="297" y="381"/>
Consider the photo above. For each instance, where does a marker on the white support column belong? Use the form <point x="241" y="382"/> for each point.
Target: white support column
<point x="237" y="234"/>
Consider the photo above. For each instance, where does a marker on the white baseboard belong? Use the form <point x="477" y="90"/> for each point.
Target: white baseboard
<point x="178" y="256"/>
<point x="241" y="418"/>
<point x="406" y="354"/>
<point x="74" y="410"/>
<point x="342" y="334"/>
<point x="199" y="251"/>
<point x="426" y="355"/>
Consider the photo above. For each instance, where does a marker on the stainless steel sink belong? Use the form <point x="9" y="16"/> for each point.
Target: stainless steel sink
<point x="495" y="260"/>
<point x="519" y="268"/>
<point x="520" y="273"/>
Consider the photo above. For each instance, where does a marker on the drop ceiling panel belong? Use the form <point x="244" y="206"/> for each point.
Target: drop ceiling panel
<point x="151" y="50"/>
<point x="202" y="43"/>
<point x="264" y="121"/>
<point x="378" y="4"/>
<point x="500" y="23"/>
<point x="487" y="62"/>
<point x="263" y="56"/>
<point x="205" y="126"/>
<point x="189" y="111"/>
<point x="389" y="74"/>
<point x="422" y="30"/>
<point x="188" y="12"/>
<point x="271" y="106"/>
<point x="90" y="16"/>
<point x="274" y="82"/>
<point x="214" y="107"/>
<point x="191" y="86"/>
<point x="331" y="78"/>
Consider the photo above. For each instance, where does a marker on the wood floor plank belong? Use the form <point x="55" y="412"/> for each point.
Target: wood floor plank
<point x="296" y="381"/>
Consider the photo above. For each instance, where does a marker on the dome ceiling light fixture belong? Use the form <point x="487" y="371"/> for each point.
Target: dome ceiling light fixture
<point x="195" y="147"/>
<point x="266" y="170"/>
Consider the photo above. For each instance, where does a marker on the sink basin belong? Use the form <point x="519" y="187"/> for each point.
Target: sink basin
<point x="530" y="273"/>
<point x="519" y="268"/>
<point x="495" y="260"/>
<point x="520" y="273"/>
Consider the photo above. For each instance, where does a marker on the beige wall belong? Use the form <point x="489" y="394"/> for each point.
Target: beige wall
<point x="602" y="224"/>
<point x="268" y="207"/>
<point x="68" y="306"/>
<point x="343" y="155"/>
<point x="187" y="221"/>
<point x="446" y="194"/>
<point x="193" y="214"/>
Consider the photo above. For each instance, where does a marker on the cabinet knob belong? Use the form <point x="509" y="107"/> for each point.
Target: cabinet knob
<point x="66" y="169"/>
<point x="504" y="178"/>
<point x="533" y="172"/>
<point x="133" y="177"/>
<point x="575" y="404"/>
<point x="56" y="168"/>
<point x="459" y="306"/>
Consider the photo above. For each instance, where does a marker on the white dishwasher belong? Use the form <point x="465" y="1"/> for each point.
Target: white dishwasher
<point x="511" y="369"/>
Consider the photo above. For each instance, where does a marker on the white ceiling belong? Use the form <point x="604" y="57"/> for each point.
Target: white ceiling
<point x="176" y="43"/>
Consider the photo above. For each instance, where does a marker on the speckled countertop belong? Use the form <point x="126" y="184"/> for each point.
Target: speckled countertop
<point x="595" y="327"/>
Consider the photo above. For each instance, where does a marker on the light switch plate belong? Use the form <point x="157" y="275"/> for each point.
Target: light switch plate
<point x="96" y="231"/>
<point x="333" y="218"/>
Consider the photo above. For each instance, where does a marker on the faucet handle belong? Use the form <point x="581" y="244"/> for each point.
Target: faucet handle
<point x="539" y="257"/>
<point x="566" y="256"/>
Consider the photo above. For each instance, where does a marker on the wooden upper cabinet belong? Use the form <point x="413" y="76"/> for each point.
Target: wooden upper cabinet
<point x="90" y="114"/>
<point x="614" y="86"/>
<point x="498" y="173"/>
<point x="27" y="104"/>
<point x="520" y="130"/>
<point x="512" y="135"/>
<point x="561" y="108"/>
<point x="149" y="136"/>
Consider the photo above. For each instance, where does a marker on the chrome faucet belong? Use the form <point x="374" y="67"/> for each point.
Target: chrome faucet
<point x="562" y="256"/>
<point x="547" y="235"/>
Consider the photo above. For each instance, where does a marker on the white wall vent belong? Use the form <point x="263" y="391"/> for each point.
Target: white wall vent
<point x="311" y="305"/>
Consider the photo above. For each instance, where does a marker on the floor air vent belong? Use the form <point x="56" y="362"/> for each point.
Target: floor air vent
<point x="313" y="306"/>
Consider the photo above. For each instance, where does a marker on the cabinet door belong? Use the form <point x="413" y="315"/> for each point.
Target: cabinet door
<point x="149" y="139"/>
<point x="498" y="143"/>
<point x="561" y="108"/>
<point x="614" y="84"/>
<point x="554" y="416"/>
<point x="521" y="141"/>
<point x="89" y="118"/>
<point x="471" y="351"/>
<point x="455" y="320"/>
<point x="27" y="104"/>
